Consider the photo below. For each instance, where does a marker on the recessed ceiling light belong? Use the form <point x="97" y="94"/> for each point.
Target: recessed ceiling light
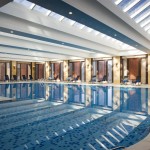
<point x="70" y="13"/>
<point x="115" y="34"/>
<point x="11" y="31"/>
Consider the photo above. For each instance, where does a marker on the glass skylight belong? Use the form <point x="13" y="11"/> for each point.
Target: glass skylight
<point x="27" y="4"/>
<point x="87" y="29"/>
<point x="56" y="16"/>
<point x="147" y="27"/>
<point x="95" y="32"/>
<point x="69" y="21"/>
<point x="42" y="10"/>
<point x="142" y="15"/>
<point x="74" y="24"/>
<point x="78" y="25"/>
<point x="130" y="5"/>
<point x="145" y="22"/>
<point x="138" y="10"/>
<point x="118" y="1"/>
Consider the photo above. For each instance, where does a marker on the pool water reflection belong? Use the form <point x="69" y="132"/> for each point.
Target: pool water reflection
<point x="65" y="116"/>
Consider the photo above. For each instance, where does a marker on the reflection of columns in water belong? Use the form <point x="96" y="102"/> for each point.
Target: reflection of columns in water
<point x="47" y="93"/>
<point x="116" y="98"/>
<point x="88" y="97"/>
<point x="148" y="101"/>
<point x="65" y="94"/>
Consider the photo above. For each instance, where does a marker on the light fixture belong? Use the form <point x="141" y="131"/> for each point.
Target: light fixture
<point x="130" y="5"/>
<point x="115" y="34"/>
<point x="11" y="31"/>
<point x="70" y="12"/>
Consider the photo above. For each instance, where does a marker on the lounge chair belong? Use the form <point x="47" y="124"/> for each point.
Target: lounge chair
<point x="14" y="77"/>
<point x="30" y="77"/>
<point x="7" y="78"/>
<point x="69" y="78"/>
<point x="24" y="77"/>
<point x="104" y="79"/>
<point x="137" y="81"/>
<point x="93" y="79"/>
<point x="125" y="80"/>
<point x="76" y="79"/>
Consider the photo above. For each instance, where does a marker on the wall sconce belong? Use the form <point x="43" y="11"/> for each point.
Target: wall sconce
<point x="14" y="67"/>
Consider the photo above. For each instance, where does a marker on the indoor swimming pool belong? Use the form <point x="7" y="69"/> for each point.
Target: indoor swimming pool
<point x="69" y="117"/>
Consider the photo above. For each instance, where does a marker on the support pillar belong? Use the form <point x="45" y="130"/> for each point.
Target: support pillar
<point x="13" y="68"/>
<point x="33" y="70"/>
<point x="47" y="68"/>
<point x="65" y="69"/>
<point x="149" y="69"/>
<point x="88" y="70"/>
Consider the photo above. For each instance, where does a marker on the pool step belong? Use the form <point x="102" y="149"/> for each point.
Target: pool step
<point x="101" y="133"/>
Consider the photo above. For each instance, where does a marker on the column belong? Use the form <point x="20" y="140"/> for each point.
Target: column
<point x="148" y="68"/>
<point x="33" y="70"/>
<point x="88" y="70"/>
<point x="13" y="68"/>
<point x="116" y="70"/>
<point x="65" y="69"/>
<point x="47" y="68"/>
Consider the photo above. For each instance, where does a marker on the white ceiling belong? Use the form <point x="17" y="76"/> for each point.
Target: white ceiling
<point x="84" y="42"/>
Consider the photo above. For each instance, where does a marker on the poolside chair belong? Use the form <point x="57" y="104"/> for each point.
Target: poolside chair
<point x="24" y="77"/>
<point x="30" y="77"/>
<point x="7" y="78"/>
<point x="125" y="80"/>
<point x="14" y="77"/>
<point x="93" y="79"/>
<point x="69" y="78"/>
<point x="76" y="79"/>
<point x="56" y="78"/>
<point x="137" y="81"/>
<point x="104" y="79"/>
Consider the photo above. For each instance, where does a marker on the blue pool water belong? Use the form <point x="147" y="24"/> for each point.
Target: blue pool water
<point x="70" y="117"/>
